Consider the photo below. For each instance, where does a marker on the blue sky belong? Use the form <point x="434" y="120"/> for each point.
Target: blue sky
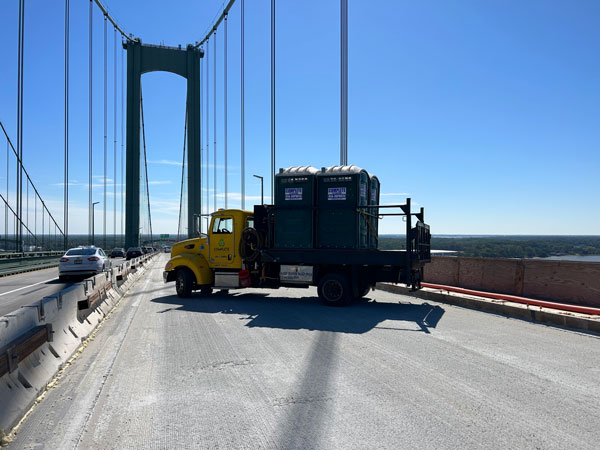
<point x="486" y="113"/>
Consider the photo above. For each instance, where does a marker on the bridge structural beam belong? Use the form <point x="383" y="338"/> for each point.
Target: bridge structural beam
<point x="143" y="58"/>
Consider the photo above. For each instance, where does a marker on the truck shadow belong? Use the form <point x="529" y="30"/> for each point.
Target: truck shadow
<point x="269" y="311"/>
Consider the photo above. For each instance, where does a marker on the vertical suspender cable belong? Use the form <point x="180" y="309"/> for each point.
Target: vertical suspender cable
<point x="243" y="182"/>
<point x="90" y="213"/>
<point x="225" y="104"/>
<point x="105" y="137"/>
<point x="115" y="138"/>
<point x="199" y="223"/>
<point x="146" y="167"/>
<point x="344" y="82"/>
<point x="6" y="204"/>
<point x="182" y="174"/>
<point x="215" y="121"/>
<point x="272" y="101"/>
<point x="122" y="140"/>
<point x="207" y="131"/>
<point x="19" y="190"/>
<point x="66" y="181"/>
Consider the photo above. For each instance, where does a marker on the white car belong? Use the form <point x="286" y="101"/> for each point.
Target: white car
<point x="82" y="261"/>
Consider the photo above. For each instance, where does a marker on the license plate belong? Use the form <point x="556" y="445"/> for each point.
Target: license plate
<point x="77" y="261"/>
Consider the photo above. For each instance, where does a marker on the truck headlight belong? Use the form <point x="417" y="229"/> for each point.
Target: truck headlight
<point x="168" y="266"/>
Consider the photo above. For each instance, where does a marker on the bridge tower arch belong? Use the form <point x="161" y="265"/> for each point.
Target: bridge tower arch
<point x="143" y="58"/>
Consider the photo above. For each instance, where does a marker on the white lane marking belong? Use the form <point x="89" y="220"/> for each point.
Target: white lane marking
<point x="25" y="287"/>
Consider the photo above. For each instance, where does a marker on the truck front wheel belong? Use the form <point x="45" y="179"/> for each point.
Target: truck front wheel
<point x="183" y="283"/>
<point x="334" y="290"/>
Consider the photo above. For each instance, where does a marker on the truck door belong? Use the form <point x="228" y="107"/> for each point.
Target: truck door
<point x="222" y="242"/>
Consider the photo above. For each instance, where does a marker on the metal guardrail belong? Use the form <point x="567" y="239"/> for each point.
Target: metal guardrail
<point x="14" y="255"/>
<point x="12" y="266"/>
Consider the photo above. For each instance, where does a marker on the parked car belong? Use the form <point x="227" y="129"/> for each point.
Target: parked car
<point x="117" y="253"/>
<point x="82" y="261"/>
<point x="133" y="252"/>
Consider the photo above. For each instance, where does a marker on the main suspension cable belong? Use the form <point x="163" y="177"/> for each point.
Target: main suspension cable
<point x="113" y="21"/>
<point x="221" y="18"/>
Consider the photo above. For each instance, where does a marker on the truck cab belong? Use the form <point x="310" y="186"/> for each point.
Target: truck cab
<point x="210" y="260"/>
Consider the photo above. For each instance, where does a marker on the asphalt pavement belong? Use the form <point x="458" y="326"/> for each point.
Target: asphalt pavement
<point x="276" y="369"/>
<point x="26" y="288"/>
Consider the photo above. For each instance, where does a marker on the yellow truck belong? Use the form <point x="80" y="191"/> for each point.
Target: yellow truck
<point x="211" y="260"/>
<point x="240" y="251"/>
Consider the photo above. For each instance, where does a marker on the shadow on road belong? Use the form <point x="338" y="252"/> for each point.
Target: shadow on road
<point x="264" y="310"/>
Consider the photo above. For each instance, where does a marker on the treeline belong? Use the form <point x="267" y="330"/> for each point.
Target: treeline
<point x="506" y="246"/>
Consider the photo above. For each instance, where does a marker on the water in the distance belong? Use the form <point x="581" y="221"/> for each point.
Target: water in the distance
<point x="585" y="258"/>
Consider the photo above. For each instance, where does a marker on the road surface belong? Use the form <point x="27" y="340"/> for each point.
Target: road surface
<point x="29" y="287"/>
<point x="269" y="369"/>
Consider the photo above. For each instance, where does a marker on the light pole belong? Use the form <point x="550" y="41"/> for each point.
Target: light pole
<point x="93" y="205"/>
<point x="262" y="197"/>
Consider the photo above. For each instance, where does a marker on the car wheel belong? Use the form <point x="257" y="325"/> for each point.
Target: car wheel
<point x="183" y="283"/>
<point x="334" y="290"/>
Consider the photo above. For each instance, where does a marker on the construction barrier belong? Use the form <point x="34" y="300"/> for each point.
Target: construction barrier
<point x="37" y="340"/>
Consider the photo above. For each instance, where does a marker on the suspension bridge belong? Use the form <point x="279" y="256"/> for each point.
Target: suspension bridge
<point x="119" y="361"/>
<point x="30" y="225"/>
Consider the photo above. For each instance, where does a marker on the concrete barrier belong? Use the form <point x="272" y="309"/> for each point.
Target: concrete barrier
<point x="563" y="281"/>
<point x="69" y="324"/>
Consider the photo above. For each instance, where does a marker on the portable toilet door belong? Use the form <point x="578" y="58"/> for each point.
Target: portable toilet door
<point x="341" y="191"/>
<point x="374" y="186"/>
<point x="294" y="207"/>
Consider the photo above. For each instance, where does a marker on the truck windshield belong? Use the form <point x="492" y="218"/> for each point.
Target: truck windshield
<point x="223" y="225"/>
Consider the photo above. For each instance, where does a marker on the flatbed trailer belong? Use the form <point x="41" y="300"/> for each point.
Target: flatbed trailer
<point x="340" y="274"/>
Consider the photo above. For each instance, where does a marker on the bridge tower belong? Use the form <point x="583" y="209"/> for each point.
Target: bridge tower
<point x="143" y="58"/>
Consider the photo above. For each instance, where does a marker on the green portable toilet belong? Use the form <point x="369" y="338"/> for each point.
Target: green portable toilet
<point x="373" y="217"/>
<point x="294" y="207"/>
<point x="341" y="192"/>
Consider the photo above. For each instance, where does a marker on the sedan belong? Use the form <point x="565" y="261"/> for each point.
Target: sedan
<point x="117" y="253"/>
<point x="82" y="261"/>
<point x="133" y="252"/>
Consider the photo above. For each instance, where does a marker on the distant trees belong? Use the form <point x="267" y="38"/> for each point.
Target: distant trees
<point x="507" y="246"/>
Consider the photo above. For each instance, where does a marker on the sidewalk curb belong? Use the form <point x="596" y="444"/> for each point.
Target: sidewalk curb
<point x="529" y="313"/>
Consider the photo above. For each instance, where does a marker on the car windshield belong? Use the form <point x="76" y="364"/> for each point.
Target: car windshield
<point x="81" y="252"/>
<point x="134" y="249"/>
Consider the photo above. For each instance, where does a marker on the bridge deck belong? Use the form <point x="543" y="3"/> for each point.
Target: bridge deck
<point x="268" y="369"/>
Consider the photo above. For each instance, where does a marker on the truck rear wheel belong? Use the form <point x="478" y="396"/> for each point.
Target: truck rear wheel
<point x="183" y="283"/>
<point x="334" y="290"/>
